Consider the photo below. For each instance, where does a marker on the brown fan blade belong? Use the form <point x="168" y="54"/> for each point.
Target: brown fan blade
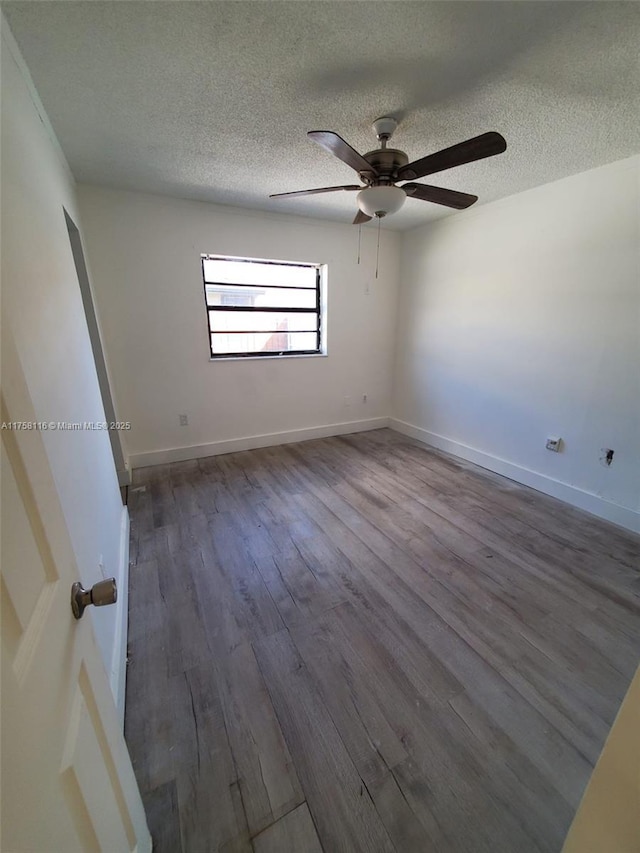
<point x="336" y="145"/>
<point x="485" y="145"/>
<point x="450" y="198"/>
<point x="319" y="190"/>
<point x="361" y="217"/>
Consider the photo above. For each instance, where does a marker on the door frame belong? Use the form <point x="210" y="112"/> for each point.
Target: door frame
<point x="124" y="475"/>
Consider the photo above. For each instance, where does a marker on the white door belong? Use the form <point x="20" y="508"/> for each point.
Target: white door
<point x="67" y="780"/>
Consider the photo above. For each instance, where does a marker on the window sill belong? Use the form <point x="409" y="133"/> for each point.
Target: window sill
<point x="268" y="357"/>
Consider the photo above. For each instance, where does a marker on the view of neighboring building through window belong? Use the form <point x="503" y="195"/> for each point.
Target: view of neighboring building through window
<point x="260" y="308"/>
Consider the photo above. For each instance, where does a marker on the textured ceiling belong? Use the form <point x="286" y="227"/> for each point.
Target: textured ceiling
<point x="212" y="100"/>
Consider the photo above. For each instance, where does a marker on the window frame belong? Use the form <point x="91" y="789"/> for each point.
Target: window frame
<point x="318" y="311"/>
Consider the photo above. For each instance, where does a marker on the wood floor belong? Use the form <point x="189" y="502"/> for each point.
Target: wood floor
<point x="358" y="644"/>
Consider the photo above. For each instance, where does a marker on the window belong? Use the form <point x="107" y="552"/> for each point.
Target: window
<point x="262" y="308"/>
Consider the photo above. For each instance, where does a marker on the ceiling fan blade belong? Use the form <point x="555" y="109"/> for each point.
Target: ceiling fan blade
<point x="450" y="198"/>
<point x="360" y="218"/>
<point x="336" y="145"/>
<point x="319" y="190"/>
<point x="485" y="145"/>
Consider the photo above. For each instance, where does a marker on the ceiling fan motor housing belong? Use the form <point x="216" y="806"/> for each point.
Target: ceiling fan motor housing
<point x="386" y="162"/>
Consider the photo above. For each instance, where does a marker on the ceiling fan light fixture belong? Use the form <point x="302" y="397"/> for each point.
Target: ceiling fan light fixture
<point x="378" y="169"/>
<point x="382" y="200"/>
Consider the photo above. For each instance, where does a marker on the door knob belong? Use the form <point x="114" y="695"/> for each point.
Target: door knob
<point x="104" y="592"/>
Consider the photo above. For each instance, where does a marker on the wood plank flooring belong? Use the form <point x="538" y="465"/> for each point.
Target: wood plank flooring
<point x="359" y="645"/>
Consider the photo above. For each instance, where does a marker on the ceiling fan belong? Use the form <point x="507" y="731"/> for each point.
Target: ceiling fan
<point x="381" y="169"/>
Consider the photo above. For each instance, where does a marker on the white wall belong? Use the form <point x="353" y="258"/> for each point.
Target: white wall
<point x="145" y="260"/>
<point x="42" y="306"/>
<point x="520" y="320"/>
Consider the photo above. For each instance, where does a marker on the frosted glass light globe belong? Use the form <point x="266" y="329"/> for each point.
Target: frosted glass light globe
<point x="379" y="201"/>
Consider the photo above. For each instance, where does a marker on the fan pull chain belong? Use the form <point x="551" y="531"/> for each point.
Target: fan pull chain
<point x="378" y="247"/>
<point x="359" y="236"/>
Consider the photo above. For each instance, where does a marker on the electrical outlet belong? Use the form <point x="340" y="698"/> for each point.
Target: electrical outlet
<point x="184" y="420"/>
<point x="364" y="398"/>
<point x="553" y="443"/>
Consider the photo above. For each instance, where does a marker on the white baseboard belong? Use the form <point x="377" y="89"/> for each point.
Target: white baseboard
<point x="587" y="501"/>
<point x="119" y="655"/>
<point x="215" y="448"/>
